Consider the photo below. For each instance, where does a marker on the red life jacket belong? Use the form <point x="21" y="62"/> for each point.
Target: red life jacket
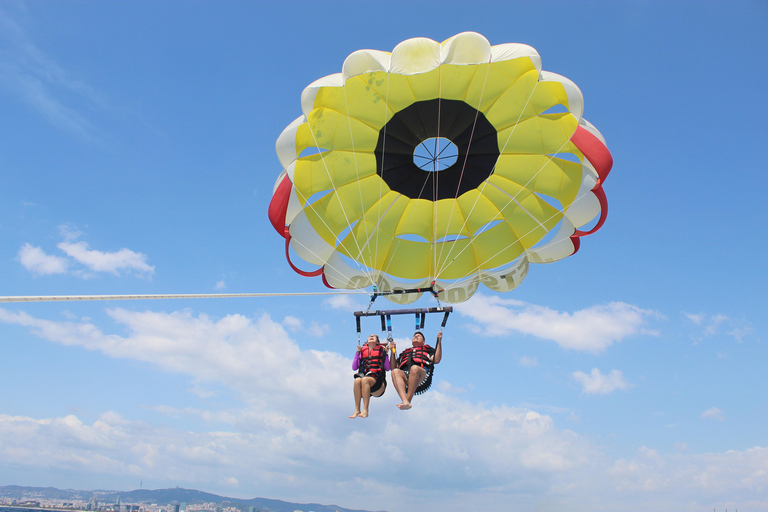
<point x="372" y="360"/>
<point x="415" y="355"/>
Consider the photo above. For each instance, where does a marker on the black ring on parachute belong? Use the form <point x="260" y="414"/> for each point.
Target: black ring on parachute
<point x="462" y="124"/>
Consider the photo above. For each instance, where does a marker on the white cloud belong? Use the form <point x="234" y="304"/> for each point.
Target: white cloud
<point x="345" y="302"/>
<point x="713" y="413"/>
<point x="220" y="285"/>
<point x="695" y="318"/>
<point x="296" y="325"/>
<point x="528" y="362"/>
<point x="113" y="262"/>
<point x="243" y="353"/>
<point x="293" y="324"/>
<point x="36" y="261"/>
<point x="598" y="384"/>
<point x="290" y="433"/>
<point x="592" y="329"/>
<point x="713" y="325"/>
<point x="733" y="475"/>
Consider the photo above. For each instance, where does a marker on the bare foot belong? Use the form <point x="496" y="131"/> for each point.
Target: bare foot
<point x="404" y="407"/>
<point x="357" y="413"/>
<point x="364" y="414"/>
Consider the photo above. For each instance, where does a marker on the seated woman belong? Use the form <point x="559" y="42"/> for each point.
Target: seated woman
<point x="370" y="380"/>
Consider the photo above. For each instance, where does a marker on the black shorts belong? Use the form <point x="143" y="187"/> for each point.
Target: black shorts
<point x="380" y="380"/>
<point x="424" y="384"/>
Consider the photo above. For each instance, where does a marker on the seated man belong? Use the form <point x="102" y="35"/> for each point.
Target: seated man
<point x="414" y="367"/>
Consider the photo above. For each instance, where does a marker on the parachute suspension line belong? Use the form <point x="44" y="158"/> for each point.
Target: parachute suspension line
<point x="359" y="186"/>
<point x="378" y="223"/>
<point x="308" y="249"/>
<point x="287" y="245"/>
<point x="381" y="181"/>
<point x="436" y="183"/>
<point x="73" y="298"/>
<point x="341" y="204"/>
<point x="514" y="199"/>
<point x="557" y="212"/>
<point x="461" y="176"/>
<point x="448" y="261"/>
<point x="391" y="254"/>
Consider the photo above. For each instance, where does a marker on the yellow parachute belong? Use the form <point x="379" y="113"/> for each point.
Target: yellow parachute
<point x="453" y="163"/>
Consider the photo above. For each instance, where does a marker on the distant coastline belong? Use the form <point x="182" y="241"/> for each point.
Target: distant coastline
<point x="33" y="509"/>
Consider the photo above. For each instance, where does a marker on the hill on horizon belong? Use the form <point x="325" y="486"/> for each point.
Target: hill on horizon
<point x="166" y="497"/>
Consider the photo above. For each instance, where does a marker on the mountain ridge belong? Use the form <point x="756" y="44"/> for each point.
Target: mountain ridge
<point x="166" y="497"/>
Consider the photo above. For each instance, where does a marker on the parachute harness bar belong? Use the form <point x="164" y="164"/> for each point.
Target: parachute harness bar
<point x="386" y="317"/>
<point x="376" y="293"/>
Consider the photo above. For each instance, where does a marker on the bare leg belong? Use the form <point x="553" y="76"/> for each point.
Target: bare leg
<point x="415" y="377"/>
<point x="400" y="383"/>
<point x="357" y="389"/>
<point x="366" y="388"/>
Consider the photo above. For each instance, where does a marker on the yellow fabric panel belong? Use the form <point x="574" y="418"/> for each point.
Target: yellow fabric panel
<point x="554" y="177"/>
<point x="546" y="134"/>
<point x="416" y="219"/>
<point x="450" y="220"/>
<point x="329" y="129"/>
<point x="373" y="233"/>
<point x="482" y="210"/>
<point x="385" y="215"/>
<point x="367" y="244"/>
<point x="529" y="217"/>
<point x="388" y="211"/>
<point x="354" y="198"/>
<point x="393" y="88"/>
<point x="547" y="95"/>
<point x="331" y="169"/>
<point x="326" y="228"/>
<point x="425" y="86"/>
<point x="455" y="80"/>
<point x="513" y="69"/>
<point x="331" y="214"/>
<point x="513" y="104"/>
<point x="501" y="77"/>
<point x="456" y="259"/>
<point x="496" y="247"/>
<point x="356" y="99"/>
<point x="409" y="260"/>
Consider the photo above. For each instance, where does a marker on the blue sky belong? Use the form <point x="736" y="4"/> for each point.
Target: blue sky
<point x="137" y="157"/>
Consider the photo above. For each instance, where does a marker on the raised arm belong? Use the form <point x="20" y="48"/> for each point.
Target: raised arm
<point x="392" y="349"/>
<point x="438" y="348"/>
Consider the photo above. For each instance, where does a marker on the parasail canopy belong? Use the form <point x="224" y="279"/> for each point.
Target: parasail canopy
<point x="457" y="163"/>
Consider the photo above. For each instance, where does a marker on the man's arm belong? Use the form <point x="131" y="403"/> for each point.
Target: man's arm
<point x="438" y="349"/>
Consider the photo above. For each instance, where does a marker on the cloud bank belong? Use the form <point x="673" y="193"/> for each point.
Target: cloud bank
<point x="289" y="433"/>
<point x="122" y="261"/>
<point x="595" y="383"/>
<point x="592" y="329"/>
